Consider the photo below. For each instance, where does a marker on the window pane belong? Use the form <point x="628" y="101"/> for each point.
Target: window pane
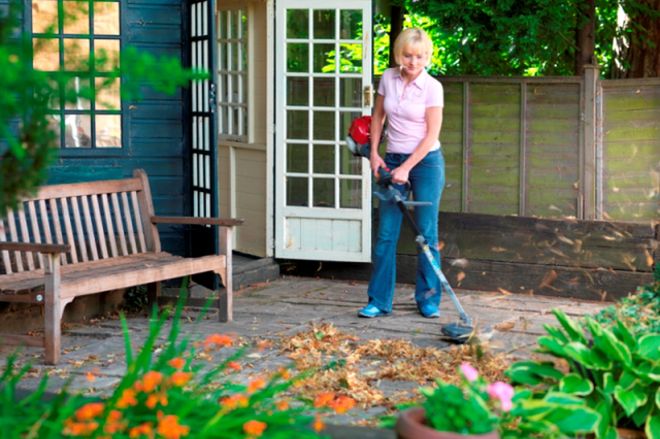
<point x="44" y="16"/>
<point x="54" y="126"/>
<point x="297" y="125"/>
<point x="76" y="54"/>
<point x="350" y="92"/>
<point x="350" y="58"/>
<point x="324" y="58"/>
<point x="324" y="125"/>
<point x="297" y="23"/>
<point x="76" y="17"/>
<point x="77" y="94"/>
<point x="297" y="91"/>
<point x="46" y="54"/>
<point x="77" y="131"/>
<point x="106" y="54"/>
<point x="106" y="18"/>
<point x="324" y="92"/>
<point x="296" y="191"/>
<point x="324" y="192"/>
<point x="348" y="163"/>
<point x="108" y="94"/>
<point x="350" y="194"/>
<point x="324" y="159"/>
<point x="108" y="131"/>
<point x="324" y="23"/>
<point x="350" y="27"/>
<point x="297" y="158"/>
<point x="297" y="57"/>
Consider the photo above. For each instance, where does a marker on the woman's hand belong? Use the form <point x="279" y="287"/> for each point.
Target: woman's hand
<point x="376" y="163"/>
<point x="400" y="175"/>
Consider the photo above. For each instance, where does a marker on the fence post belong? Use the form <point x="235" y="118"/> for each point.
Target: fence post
<point x="588" y="153"/>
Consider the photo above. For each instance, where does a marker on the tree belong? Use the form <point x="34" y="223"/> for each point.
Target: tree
<point x="27" y="141"/>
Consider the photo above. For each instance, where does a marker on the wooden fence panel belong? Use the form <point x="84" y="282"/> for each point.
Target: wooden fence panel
<point x="453" y="140"/>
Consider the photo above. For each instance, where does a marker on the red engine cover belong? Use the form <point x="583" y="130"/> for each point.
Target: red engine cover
<point x="360" y="129"/>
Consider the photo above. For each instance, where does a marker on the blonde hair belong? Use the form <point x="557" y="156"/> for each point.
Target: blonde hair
<point x="413" y="37"/>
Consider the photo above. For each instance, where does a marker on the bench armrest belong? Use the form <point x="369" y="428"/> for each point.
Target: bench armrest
<point x="189" y="220"/>
<point x="34" y="247"/>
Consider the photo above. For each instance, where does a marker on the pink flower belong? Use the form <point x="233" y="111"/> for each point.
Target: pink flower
<point x="502" y="391"/>
<point x="469" y="372"/>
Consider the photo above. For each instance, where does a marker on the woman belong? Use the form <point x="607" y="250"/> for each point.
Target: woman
<point x="411" y="101"/>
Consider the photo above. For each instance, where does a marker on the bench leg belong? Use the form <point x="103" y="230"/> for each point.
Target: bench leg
<point x="153" y="293"/>
<point x="52" y="311"/>
<point x="225" y="298"/>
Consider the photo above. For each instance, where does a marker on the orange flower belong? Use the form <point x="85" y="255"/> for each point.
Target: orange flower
<point x="127" y="399"/>
<point x="233" y="401"/>
<point x="342" y="404"/>
<point x="256" y="384"/>
<point x="90" y="377"/>
<point x="282" y="405"/>
<point x="318" y="424"/>
<point x="114" y="423"/>
<point x="169" y="427"/>
<point x="155" y="399"/>
<point x="151" y="380"/>
<point x="177" y="362"/>
<point x="142" y="430"/>
<point x="285" y="373"/>
<point x="90" y="411"/>
<point x="217" y="340"/>
<point x="180" y="379"/>
<point x="254" y="428"/>
<point x="73" y="428"/>
<point x="234" y="366"/>
<point x="324" y="399"/>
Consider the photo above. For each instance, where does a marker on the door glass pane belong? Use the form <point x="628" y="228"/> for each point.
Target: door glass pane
<point x="297" y="57"/>
<point x="297" y="125"/>
<point x="54" y="126"/>
<point x="345" y="120"/>
<point x="350" y="92"/>
<point x="324" y="58"/>
<point x="324" y="23"/>
<point x="297" y="159"/>
<point x="77" y="94"/>
<point x="348" y="163"/>
<point x="44" y="16"/>
<point x="350" y="58"/>
<point x="108" y="94"/>
<point x="324" y="125"/>
<point x="350" y="194"/>
<point x="78" y="130"/>
<point x="324" y="159"/>
<point x="76" y="17"/>
<point x="76" y="54"/>
<point x="350" y="26"/>
<point x="296" y="191"/>
<point x="106" y="18"/>
<point x="108" y="131"/>
<point x="324" y="192"/>
<point x="106" y="54"/>
<point x="297" y="23"/>
<point x="46" y="54"/>
<point x="324" y="92"/>
<point x="297" y="91"/>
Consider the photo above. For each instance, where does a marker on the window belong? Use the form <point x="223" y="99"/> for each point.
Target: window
<point x="78" y="42"/>
<point x="232" y="74"/>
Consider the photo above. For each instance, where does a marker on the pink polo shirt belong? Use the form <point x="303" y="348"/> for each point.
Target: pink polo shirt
<point x="405" y="108"/>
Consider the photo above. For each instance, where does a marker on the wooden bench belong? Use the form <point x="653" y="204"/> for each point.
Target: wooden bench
<point x="72" y="240"/>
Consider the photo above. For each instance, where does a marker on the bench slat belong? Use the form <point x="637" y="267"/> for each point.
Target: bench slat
<point x="25" y="237"/>
<point x="57" y="226"/>
<point x="138" y="222"/>
<point x="69" y="231"/>
<point x="129" y="223"/>
<point x="99" y="225"/>
<point x="5" y="254"/>
<point x="112" y="240"/>
<point x="36" y="232"/>
<point x="80" y="234"/>
<point x="88" y="188"/>
<point x="13" y="236"/>
<point x="120" y="226"/>
<point x="91" y="236"/>
<point x="45" y="223"/>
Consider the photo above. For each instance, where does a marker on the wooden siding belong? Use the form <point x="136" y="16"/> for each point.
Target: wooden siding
<point x="154" y="137"/>
<point x="631" y="149"/>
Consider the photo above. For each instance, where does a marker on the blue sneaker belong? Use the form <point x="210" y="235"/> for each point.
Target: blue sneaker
<point x="371" y="311"/>
<point x="429" y="310"/>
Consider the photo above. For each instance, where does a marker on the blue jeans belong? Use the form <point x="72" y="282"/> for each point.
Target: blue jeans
<point x="427" y="179"/>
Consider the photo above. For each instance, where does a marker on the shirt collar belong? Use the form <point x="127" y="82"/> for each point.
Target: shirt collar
<point x="419" y="81"/>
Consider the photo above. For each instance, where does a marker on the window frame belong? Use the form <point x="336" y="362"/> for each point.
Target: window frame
<point x="91" y="75"/>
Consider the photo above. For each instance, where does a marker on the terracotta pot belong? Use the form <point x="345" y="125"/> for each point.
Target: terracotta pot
<point x="626" y="433"/>
<point x="412" y="425"/>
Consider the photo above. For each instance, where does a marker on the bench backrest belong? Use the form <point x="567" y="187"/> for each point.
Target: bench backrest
<point x="98" y="220"/>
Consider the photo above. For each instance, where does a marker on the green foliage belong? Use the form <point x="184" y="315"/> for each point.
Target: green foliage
<point x="182" y="389"/>
<point x="28" y="143"/>
<point x="615" y="372"/>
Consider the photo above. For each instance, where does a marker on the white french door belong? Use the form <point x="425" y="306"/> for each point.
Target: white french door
<point x="323" y="81"/>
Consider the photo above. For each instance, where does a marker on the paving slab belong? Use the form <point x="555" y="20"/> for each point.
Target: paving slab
<point x="281" y="309"/>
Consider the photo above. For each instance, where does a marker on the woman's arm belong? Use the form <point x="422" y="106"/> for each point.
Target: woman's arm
<point x="377" y="122"/>
<point x="433" y="116"/>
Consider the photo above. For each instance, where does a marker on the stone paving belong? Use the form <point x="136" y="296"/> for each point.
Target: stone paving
<point x="278" y="310"/>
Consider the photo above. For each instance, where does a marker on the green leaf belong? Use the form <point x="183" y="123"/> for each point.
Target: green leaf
<point x="630" y="399"/>
<point x="649" y="347"/>
<point x="572" y="328"/>
<point x="578" y="420"/>
<point x="657" y="398"/>
<point x="576" y="385"/>
<point x="580" y="353"/>
<point x="532" y="372"/>
<point x="563" y="399"/>
<point x="652" y="429"/>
